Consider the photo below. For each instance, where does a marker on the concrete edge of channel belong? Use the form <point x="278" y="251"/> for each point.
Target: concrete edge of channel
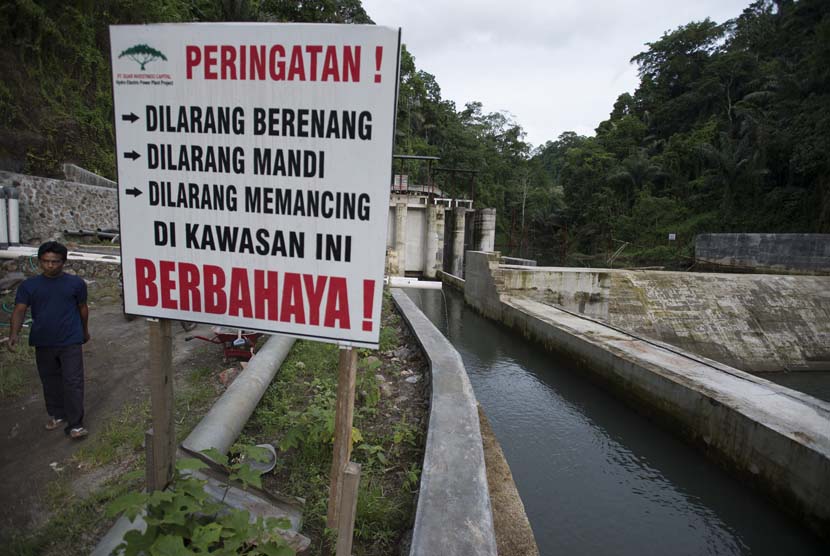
<point x="453" y="516"/>
<point x="776" y="441"/>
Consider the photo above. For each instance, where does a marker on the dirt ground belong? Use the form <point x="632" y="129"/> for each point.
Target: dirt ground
<point x="115" y="366"/>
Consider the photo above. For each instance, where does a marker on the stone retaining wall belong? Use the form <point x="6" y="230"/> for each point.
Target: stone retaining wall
<point x="101" y="273"/>
<point x="49" y="206"/>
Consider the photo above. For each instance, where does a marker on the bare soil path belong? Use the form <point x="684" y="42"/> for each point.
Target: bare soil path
<point x="115" y="368"/>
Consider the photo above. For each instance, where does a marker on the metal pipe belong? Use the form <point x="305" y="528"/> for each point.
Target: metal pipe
<point x="221" y="426"/>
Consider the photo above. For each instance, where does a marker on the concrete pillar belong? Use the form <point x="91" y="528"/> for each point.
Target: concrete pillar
<point x="400" y="237"/>
<point x="457" y="269"/>
<point x="485" y="230"/>
<point x="432" y="253"/>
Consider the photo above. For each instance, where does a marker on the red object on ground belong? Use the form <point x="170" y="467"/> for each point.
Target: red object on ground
<point x="238" y="344"/>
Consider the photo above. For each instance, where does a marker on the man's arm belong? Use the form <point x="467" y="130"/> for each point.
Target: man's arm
<point x="83" y="309"/>
<point x="18" y="314"/>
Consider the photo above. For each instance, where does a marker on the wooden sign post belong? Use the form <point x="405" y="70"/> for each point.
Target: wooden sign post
<point x="343" y="417"/>
<point x="163" y="439"/>
<point x="348" y="509"/>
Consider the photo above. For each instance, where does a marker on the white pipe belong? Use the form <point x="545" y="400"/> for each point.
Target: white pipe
<point x="16" y="251"/>
<point x="4" y="230"/>
<point x="401" y="282"/>
<point x="14" y="217"/>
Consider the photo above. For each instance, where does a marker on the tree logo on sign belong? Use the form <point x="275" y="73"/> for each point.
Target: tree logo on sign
<point x="143" y="55"/>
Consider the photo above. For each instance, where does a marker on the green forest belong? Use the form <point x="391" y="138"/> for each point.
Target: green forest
<point x="727" y="131"/>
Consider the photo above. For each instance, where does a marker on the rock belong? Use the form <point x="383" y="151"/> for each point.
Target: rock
<point x="402" y="352"/>
<point x="406" y="372"/>
<point x="228" y="375"/>
<point x="299" y="365"/>
<point x="371" y="360"/>
<point x="413" y="379"/>
<point x="386" y="389"/>
<point x="11" y="280"/>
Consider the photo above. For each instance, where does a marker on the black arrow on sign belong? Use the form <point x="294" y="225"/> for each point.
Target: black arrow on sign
<point x="135" y="192"/>
<point x="134" y="155"/>
<point x="129" y="117"/>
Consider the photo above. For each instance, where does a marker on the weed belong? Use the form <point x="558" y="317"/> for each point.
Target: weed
<point x="297" y="415"/>
<point x="379" y="515"/>
<point x="403" y="432"/>
<point x="412" y="477"/>
<point x="388" y="339"/>
<point x="184" y="519"/>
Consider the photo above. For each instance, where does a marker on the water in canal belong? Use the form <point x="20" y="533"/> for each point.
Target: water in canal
<point x="597" y="478"/>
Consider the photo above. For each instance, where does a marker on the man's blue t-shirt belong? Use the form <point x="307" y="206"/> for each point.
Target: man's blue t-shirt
<point x="54" y="302"/>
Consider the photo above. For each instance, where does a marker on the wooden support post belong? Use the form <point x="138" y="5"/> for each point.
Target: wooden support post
<point x="348" y="509"/>
<point x="161" y="398"/>
<point x="149" y="465"/>
<point x="343" y="416"/>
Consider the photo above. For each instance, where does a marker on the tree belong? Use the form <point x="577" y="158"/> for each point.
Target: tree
<point x="142" y="54"/>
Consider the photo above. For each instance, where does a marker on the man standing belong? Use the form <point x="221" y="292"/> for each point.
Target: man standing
<point x="59" y="327"/>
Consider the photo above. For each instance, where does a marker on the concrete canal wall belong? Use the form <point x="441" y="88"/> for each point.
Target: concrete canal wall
<point x="453" y="517"/>
<point x="774" y="437"/>
<point x="756" y="323"/>
<point x="765" y="253"/>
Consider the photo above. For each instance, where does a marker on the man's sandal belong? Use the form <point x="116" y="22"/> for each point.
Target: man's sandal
<point x="54" y="424"/>
<point x="77" y="434"/>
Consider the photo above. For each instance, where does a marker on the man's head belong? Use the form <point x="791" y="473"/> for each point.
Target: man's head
<point x="51" y="256"/>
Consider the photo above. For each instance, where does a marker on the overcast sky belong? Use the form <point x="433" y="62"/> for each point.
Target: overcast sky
<point x="554" y="65"/>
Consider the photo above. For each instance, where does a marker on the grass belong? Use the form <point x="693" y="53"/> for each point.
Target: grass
<point x="120" y="437"/>
<point x="297" y="415"/>
<point x="17" y="368"/>
<point x="123" y="434"/>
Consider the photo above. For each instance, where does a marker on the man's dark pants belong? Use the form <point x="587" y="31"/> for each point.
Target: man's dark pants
<point x="61" y="371"/>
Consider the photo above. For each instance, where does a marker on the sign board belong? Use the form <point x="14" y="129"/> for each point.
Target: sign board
<point x="253" y="170"/>
<point x="672" y="237"/>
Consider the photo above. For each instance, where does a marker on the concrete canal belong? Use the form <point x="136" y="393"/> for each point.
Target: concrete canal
<point x="596" y="477"/>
